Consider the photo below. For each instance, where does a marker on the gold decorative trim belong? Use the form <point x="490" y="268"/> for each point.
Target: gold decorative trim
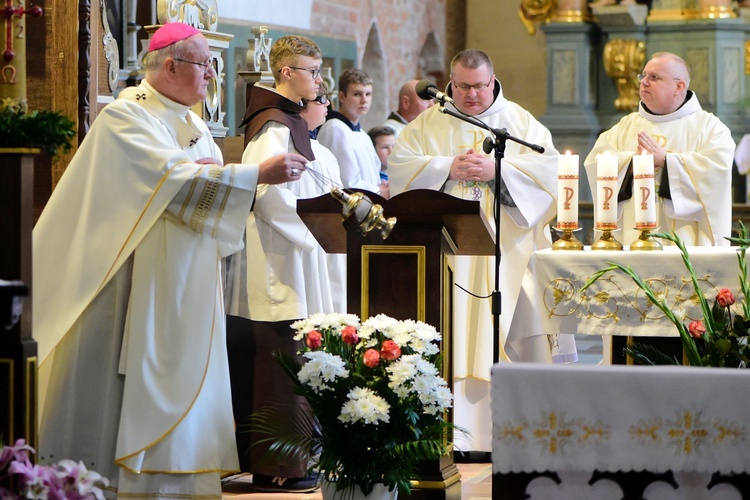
<point x="446" y="328"/>
<point x="533" y="12"/>
<point x="30" y="400"/>
<point x="15" y="151"/>
<point x="747" y="57"/>
<point x="420" y="252"/>
<point x="572" y="16"/>
<point x="206" y="201"/>
<point x="711" y="12"/>
<point x="437" y="485"/>
<point x="623" y="59"/>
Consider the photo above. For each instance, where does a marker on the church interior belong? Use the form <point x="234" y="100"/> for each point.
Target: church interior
<point x="574" y="65"/>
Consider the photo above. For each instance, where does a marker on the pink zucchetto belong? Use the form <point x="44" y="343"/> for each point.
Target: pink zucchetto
<point x="171" y="33"/>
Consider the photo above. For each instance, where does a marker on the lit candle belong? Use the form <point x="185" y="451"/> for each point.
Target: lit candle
<point x="643" y="191"/>
<point x="567" y="191"/>
<point x="606" y="192"/>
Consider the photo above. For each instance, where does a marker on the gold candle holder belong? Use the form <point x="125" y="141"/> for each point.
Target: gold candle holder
<point x="646" y="241"/>
<point x="607" y="242"/>
<point x="567" y="241"/>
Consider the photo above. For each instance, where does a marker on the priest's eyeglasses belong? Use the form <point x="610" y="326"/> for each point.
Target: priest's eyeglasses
<point x="315" y="72"/>
<point x="465" y="87"/>
<point x="205" y="65"/>
<point x="652" y="78"/>
<point x="321" y="99"/>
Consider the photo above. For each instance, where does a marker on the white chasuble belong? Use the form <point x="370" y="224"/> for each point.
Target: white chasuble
<point x="700" y="151"/>
<point x="287" y="273"/>
<point x="126" y="257"/>
<point x="421" y="160"/>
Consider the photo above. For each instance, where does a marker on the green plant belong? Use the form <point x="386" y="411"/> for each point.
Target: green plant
<point x="377" y="398"/>
<point x="48" y="130"/>
<point x="721" y="338"/>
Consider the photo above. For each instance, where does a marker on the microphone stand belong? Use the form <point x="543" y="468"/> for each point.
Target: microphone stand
<point x="501" y="136"/>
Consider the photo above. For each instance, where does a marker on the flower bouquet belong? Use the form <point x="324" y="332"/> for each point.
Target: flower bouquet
<point x="720" y="338"/>
<point x="19" y="478"/>
<point x="377" y="397"/>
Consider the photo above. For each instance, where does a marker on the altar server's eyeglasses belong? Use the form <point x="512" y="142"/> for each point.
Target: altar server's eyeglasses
<point x="652" y="78"/>
<point x="315" y="72"/>
<point x="321" y="99"/>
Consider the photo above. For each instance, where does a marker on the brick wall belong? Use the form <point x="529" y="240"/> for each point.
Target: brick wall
<point x="402" y="28"/>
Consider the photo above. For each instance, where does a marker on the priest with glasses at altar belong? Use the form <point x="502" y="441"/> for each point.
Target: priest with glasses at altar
<point x="441" y="152"/>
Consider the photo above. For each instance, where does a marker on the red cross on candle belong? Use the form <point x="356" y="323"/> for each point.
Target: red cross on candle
<point x="10" y="12"/>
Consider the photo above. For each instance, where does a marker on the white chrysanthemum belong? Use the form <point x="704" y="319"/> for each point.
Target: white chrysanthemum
<point x="426" y="368"/>
<point x="305" y="326"/>
<point x="381" y="323"/>
<point x="425" y="339"/>
<point x="323" y="322"/>
<point x="402" y="370"/>
<point x="401" y="333"/>
<point x="365" y="406"/>
<point x="337" y="321"/>
<point x="321" y="369"/>
<point x="440" y="400"/>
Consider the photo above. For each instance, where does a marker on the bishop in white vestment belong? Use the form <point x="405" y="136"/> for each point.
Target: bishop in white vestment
<point x="128" y="306"/>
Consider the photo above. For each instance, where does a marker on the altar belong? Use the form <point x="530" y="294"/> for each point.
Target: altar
<point x="551" y="300"/>
<point x="619" y="432"/>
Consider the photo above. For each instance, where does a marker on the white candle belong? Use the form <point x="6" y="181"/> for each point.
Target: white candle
<point x="606" y="192"/>
<point x="643" y="191"/>
<point x="567" y="191"/>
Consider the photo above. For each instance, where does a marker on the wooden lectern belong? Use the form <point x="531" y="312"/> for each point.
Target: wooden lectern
<point x="18" y="359"/>
<point x="407" y="276"/>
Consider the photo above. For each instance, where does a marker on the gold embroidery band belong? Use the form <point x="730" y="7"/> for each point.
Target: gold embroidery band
<point x="206" y="200"/>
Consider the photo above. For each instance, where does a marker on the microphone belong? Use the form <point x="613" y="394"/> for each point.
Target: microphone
<point x="427" y="90"/>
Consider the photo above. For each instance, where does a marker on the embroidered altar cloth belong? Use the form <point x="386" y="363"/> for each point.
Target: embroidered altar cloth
<point x="619" y="418"/>
<point x="552" y="302"/>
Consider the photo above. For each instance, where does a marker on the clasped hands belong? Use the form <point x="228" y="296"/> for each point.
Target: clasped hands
<point x="649" y="145"/>
<point x="472" y="166"/>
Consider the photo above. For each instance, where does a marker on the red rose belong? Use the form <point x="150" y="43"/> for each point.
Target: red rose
<point x="349" y="335"/>
<point x="696" y="329"/>
<point x="725" y="297"/>
<point x="372" y="358"/>
<point x="314" y="339"/>
<point x="390" y="350"/>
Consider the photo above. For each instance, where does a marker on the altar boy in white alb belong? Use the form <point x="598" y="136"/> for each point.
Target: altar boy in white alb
<point x="692" y="149"/>
<point x="128" y="306"/>
<point x="440" y="152"/>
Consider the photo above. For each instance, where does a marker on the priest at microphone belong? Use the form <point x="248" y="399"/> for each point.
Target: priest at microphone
<point x="438" y="151"/>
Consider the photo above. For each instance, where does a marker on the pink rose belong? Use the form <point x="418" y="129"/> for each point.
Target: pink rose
<point x="390" y="350"/>
<point x="314" y="340"/>
<point x="349" y="335"/>
<point x="696" y="329"/>
<point x="372" y="358"/>
<point x="725" y="297"/>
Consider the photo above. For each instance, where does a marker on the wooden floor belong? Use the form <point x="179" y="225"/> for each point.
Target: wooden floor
<point x="476" y="484"/>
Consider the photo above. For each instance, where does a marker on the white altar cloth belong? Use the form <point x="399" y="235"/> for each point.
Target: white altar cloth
<point x="552" y="303"/>
<point x="619" y="418"/>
